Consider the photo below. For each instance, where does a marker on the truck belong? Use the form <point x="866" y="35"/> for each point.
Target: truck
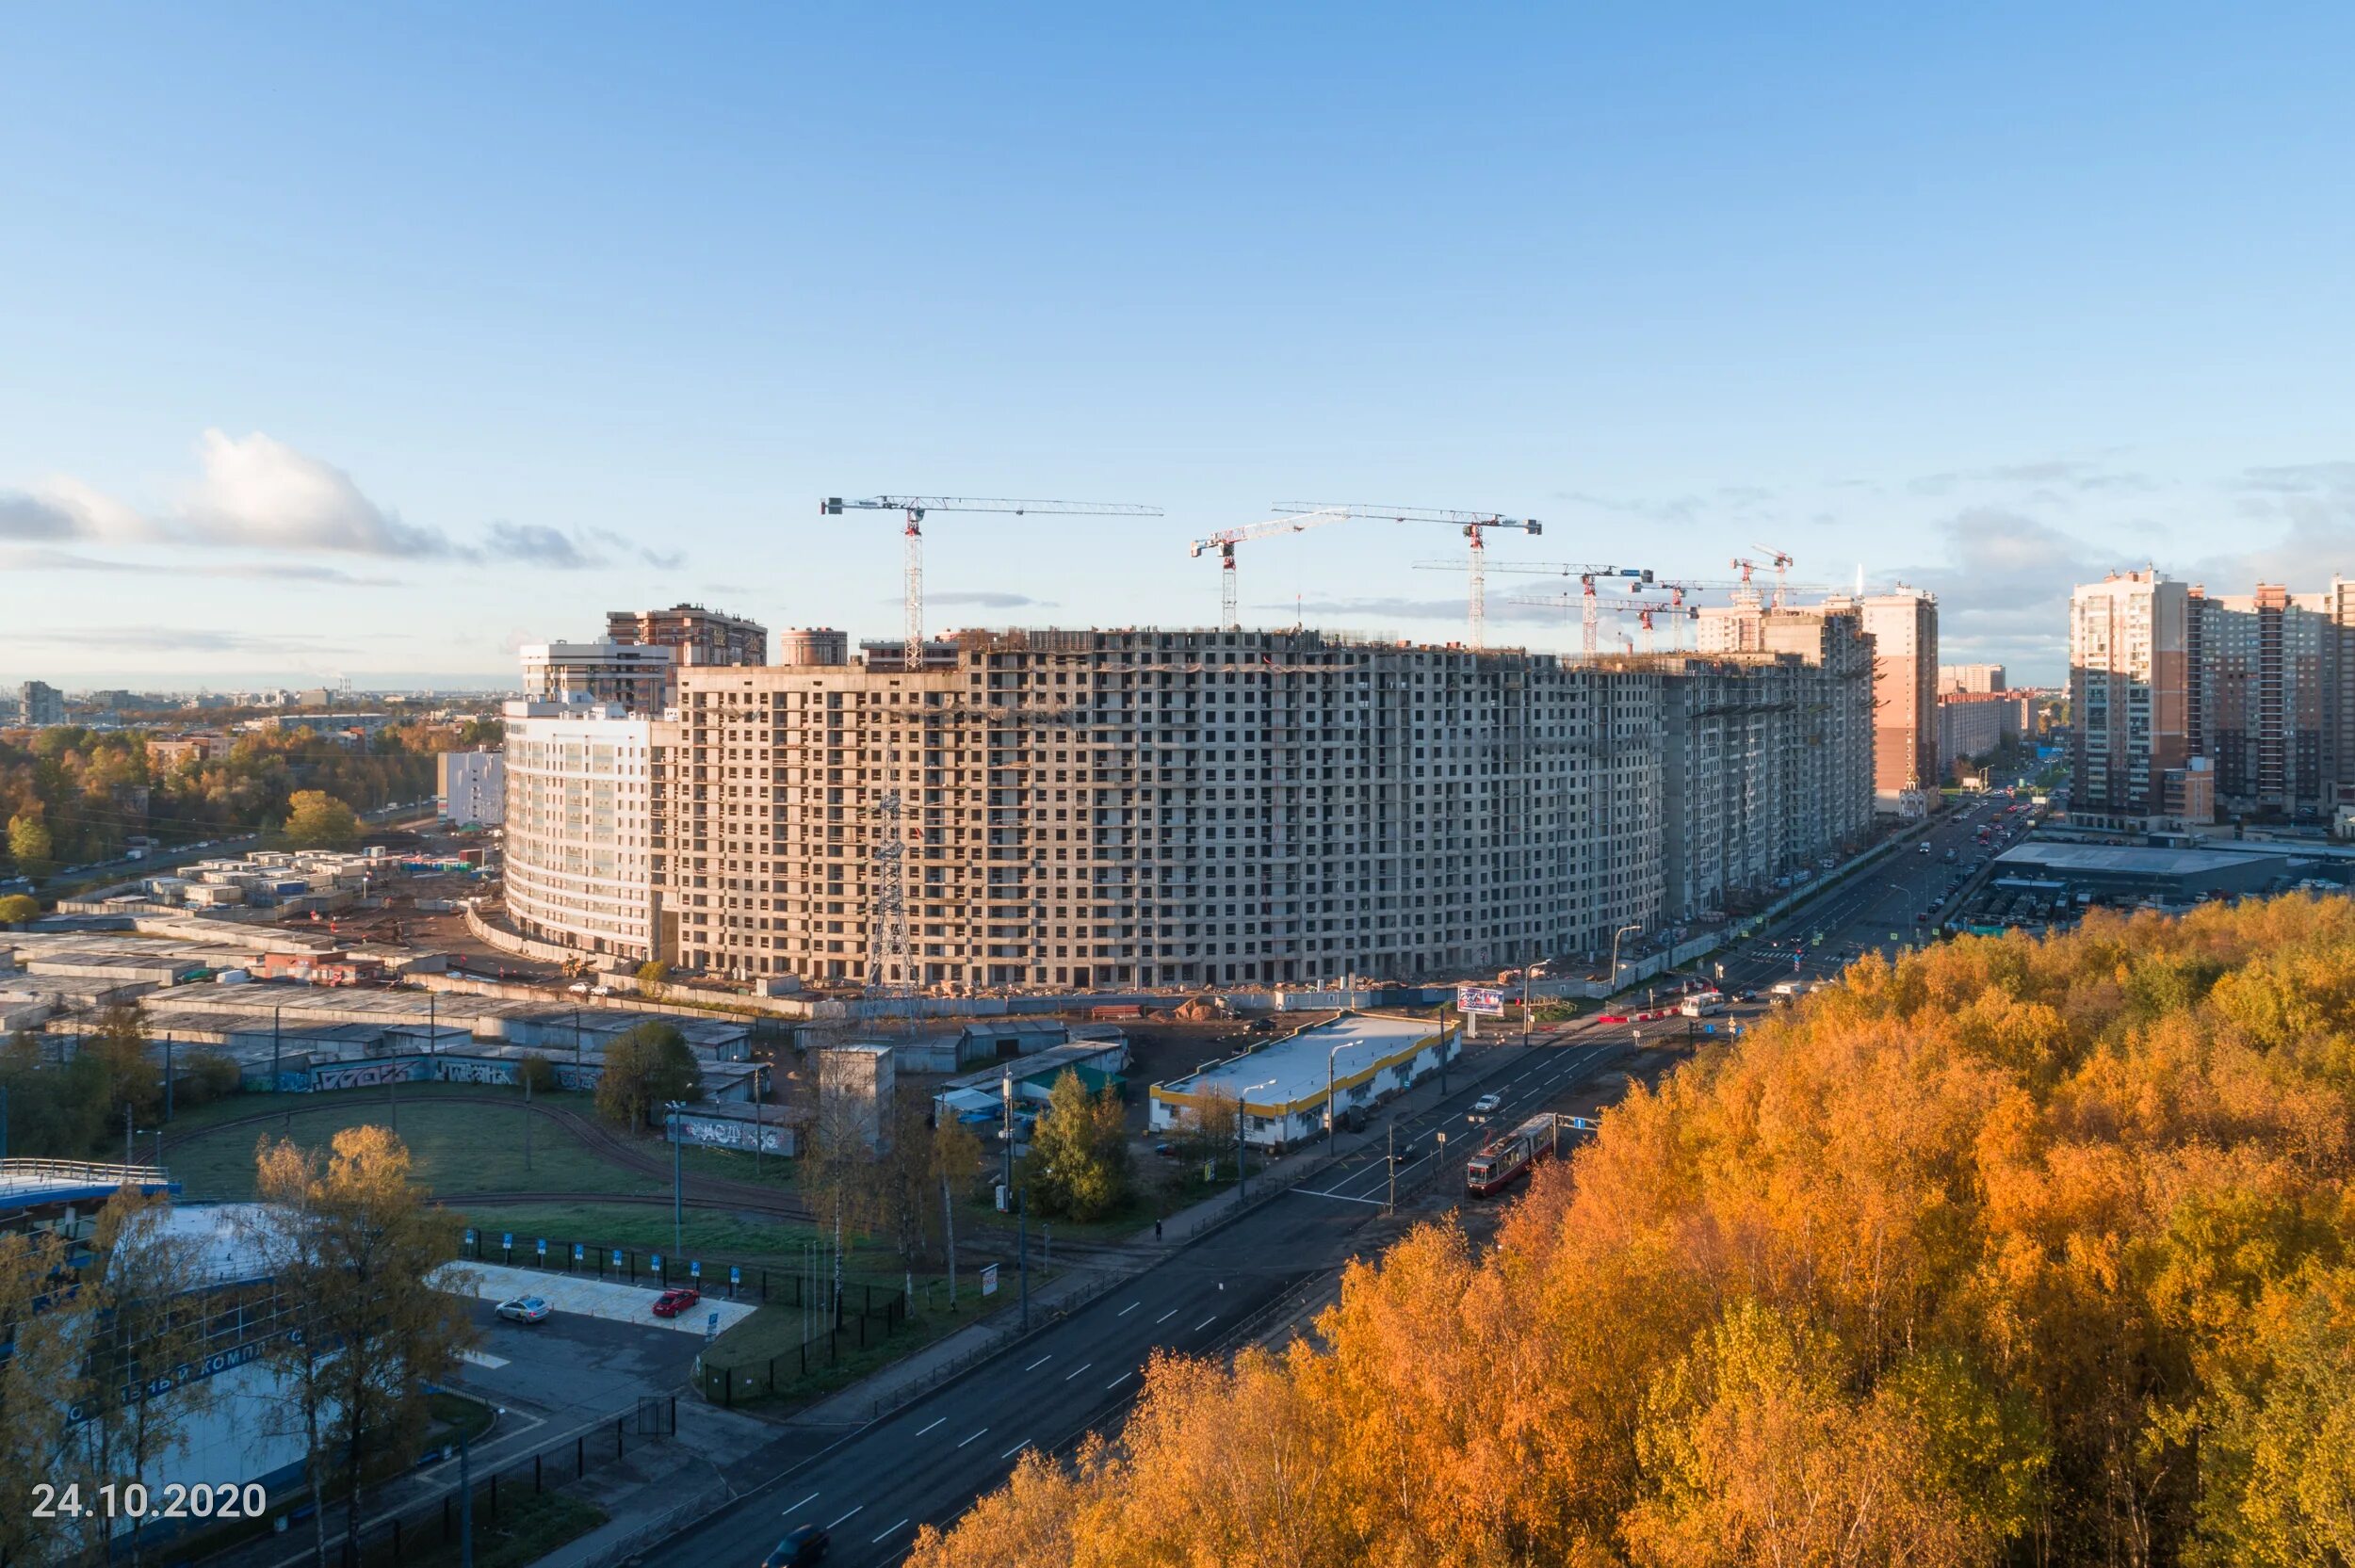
<point x="1502" y="1161"/>
<point x="1788" y="988"/>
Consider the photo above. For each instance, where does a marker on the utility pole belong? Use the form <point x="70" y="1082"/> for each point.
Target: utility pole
<point x="465" y="1504"/>
<point x="526" y="1121"/>
<point x="167" y="1078"/>
<point x="1392" y="1206"/>
<point x="949" y="1223"/>
<point x="678" y="1189"/>
<point x="1022" y="1249"/>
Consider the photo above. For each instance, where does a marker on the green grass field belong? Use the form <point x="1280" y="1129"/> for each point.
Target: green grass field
<point x="457" y="1147"/>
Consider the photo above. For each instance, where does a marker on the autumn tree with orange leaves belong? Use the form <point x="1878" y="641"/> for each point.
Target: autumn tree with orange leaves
<point x="2016" y="1251"/>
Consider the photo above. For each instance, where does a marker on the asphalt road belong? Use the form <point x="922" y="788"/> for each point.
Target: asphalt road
<point x="1861" y="912"/>
<point x="874" y="1486"/>
<point x="927" y="1462"/>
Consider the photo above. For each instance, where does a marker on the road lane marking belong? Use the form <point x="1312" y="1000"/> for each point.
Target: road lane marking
<point x="1203" y="1324"/>
<point x="803" y="1504"/>
<point x="1016" y="1450"/>
<point x="975" y="1435"/>
<point x="1129" y="1308"/>
<point x="1165" y="1317"/>
<point x="1040" y="1362"/>
<point x="879" y="1540"/>
<point x="1118" y="1381"/>
<point x="1076" y="1370"/>
<point x="938" y="1420"/>
<point x="838" y="1522"/>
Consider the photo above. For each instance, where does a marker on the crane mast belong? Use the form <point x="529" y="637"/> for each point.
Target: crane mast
<point x="1476" y="526"/>
<point x="914" y="507"/>
<point x="1224" y="540"/>
<point x="1587" y="576"/>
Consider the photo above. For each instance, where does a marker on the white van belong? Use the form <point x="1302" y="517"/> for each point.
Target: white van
<point x="1788" y="988"/>
<point x="1702" y="1004"/>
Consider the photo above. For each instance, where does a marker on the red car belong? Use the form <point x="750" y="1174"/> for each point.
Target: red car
<point x="671" y="1302"/>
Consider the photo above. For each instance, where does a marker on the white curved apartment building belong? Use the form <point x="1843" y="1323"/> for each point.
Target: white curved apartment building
<point x="577" y="868"/>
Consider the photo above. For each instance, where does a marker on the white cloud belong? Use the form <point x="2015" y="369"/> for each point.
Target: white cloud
<point x="257" y="492"/>
<point x="261" y="491"/>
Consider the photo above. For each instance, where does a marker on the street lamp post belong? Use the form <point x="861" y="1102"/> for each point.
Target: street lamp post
<point x="1615" y="952"/>
<point x="678" y="1200"/>
<point x="1243" y="1157"/>
<point x="1332" y="1109"/>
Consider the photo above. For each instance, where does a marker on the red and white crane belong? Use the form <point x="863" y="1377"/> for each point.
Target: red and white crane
<point x="1782" y="570"/>
<point x="915" y="507"/>
<point x="1587" y="576"/>
<point x="1474" y="523"/>
<point x="1224" y="540"/>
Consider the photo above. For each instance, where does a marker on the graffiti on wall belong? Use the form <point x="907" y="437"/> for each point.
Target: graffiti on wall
<point x="367" y="1075"/>
<point x="734" y="1135"/>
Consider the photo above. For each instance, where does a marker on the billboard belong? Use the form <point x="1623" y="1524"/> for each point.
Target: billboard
<point x="1486" y="1000"/>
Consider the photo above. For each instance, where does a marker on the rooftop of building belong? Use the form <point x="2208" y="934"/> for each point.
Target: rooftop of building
<point x="1294" y="1069"/>
<point x="2133" y="859"/>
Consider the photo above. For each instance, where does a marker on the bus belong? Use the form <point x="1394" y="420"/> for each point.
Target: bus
<point x="1502" y="1159"/>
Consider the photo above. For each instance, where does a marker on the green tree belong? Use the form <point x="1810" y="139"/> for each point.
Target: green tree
<point x="142" y="1280"/>
<point x="56" y="1110"/>
<point x="31" y="844"/>
<point x="361" y="1254"/>
<point x="16" y="909"/>
<point x="652" y="976"/>
<point x="1078" y="1162"/>
<point x="646" y="1066"/>
<point x="40" y="1377"/>
<point x="318" y="821"/>
<point x="133" y="1082"/>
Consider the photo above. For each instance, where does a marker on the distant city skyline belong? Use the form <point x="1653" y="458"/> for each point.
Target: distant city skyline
<point x="378" y="349"/>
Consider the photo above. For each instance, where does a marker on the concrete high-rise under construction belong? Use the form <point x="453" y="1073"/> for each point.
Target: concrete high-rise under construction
<point x="1179" y="807"/>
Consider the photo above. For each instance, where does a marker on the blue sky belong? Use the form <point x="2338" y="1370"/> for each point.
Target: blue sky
<point x="373" y="342"/>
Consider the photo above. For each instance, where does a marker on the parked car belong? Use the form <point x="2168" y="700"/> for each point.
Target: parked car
<point x="524" y="1309"/>
<point x="671" y="1302"/>
<point x="807" y="1544"/>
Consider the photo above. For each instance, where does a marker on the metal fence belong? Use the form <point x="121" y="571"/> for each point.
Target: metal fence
<point x="862" y="1317"/>
<point x="644" y="1266"/>
<point x="497" y="1489"/>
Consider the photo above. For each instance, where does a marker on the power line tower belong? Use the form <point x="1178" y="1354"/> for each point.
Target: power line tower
<point x="890" y="972"/>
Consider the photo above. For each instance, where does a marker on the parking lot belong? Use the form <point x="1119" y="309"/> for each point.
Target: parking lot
<point x="570" y="1368"/>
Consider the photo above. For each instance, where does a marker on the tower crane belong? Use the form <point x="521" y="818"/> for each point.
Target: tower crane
<point x="1587" y="576"/>
<point x="1647" y="612"/>
<point x="1474" y="523"/>
<point x="1782" y="568"/>
<point x="915" y="507"/>
<point x="1224" y="540"/>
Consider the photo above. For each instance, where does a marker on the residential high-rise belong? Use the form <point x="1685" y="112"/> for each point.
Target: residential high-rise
<point x="577" y="842"/>
<point x="635" y="676"/>
<point x="637" y="663"/>
<point x="700" y="636"/>
<point x="1902" y="626"/>
<point x="40" y="703"/>
<point x="2264" y="700"/>
<point x="2130" y="683"/>
<point x="473" y="787"/>
<point x="1972" y="678"/>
